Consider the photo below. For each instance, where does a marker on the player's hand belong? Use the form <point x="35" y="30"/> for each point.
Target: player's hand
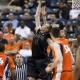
<point x="43" y="12"/>
<point x="50" y="64"/>
<point x="48" y="69"/>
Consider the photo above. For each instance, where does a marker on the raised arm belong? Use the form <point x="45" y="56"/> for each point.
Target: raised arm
<point x="37" y="16"/>
<point x="56" y="48"/>
<point x="10" y="3"/>
<point x="44" y="14"/>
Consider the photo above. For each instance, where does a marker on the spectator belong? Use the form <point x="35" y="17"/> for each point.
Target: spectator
<point x="22" y="30"/>
<point x="17" y="40"/>
<point x="74" y="13"/>
<point x="21" y="69"/>
<point x="11" y="20"/>
<point x="56" y="22"/>
<point x="12" y="48"/>
<point x="9" y="25"/>
<point x="30" y="4"/>
<point x="62" y="11"/>
<point x="29" y="39"/>
<point x="28" y="22"/>
<point x="6" y="34"/>
<point x="27" y="52"/>
<point x="4" y="41"/>
<point x="15" y="4"/>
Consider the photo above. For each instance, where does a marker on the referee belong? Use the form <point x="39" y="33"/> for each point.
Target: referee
<point x="38" y="62"/>
<point x="21" y="69"/>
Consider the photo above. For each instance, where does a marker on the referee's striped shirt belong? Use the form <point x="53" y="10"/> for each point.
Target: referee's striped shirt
<point x="21" y="72"/>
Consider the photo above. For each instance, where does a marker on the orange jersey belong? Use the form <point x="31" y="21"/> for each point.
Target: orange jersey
<point x="7" y="37"/>
<point x="8" y="47"/>
<point x="67" y="60"/>
<point x="10" y="63"/>
<point x="66" y="64"/>
<point x="24" y="44"/>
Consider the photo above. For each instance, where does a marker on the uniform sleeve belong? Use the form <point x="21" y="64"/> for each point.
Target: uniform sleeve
<point x="11" y="64"/>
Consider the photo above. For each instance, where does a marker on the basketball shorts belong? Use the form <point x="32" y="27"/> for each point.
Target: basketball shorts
<point x="36" y="68"/>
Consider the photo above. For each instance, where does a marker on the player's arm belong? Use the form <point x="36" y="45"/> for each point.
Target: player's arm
<point x="12" y="68"/>
<point x="58" y="53"/>
<point x="44" y="15"/>
<point x="10" y="3"/>
<point x="77" y="65"/>
<point x="56" y="47"/>
<point x="37" y="16"/>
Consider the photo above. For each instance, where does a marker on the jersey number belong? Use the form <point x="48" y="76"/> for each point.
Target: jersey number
<point x="1" y="61"/>
<point x="67" y="49"/>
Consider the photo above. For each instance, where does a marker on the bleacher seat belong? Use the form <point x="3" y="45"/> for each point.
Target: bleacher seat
<point x="6" y="12"/>
<point x="1" y="23"/>
<point x="52" y="11"/>
<point x="54" y="5"/>
<point x="4" y="18"/>
<point x="70" y="34"/>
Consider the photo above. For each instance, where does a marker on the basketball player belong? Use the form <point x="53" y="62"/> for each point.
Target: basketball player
<point x="5" y="63"/>
<point x="38" y="62"/>
<point x="77" y="63"/>
<point x="63" y="58"/>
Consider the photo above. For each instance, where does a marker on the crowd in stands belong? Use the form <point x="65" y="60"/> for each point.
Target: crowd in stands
<point x="17" y="24"/>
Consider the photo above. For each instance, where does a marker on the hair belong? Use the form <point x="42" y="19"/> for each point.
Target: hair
<point x="18" y="37"/>
<point x="9" y="24"/>
<point x="49" y="27"/>
<point x="2" y="47"/>
<point x="55" y="32"/>
<point x="64" y="33"/>
<point x="11" y="13"/>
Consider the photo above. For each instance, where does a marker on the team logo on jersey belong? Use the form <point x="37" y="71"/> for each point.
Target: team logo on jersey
<point x="1" y="61"/>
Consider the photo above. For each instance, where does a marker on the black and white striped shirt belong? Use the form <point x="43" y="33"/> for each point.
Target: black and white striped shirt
<point x="21" y="72"/>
